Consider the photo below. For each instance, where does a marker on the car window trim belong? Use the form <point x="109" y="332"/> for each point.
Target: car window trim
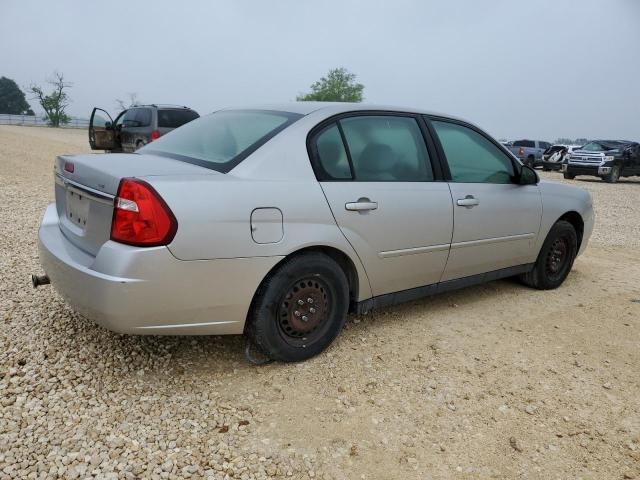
<point x="318" y="129"/>
<point x="517" y="166"/>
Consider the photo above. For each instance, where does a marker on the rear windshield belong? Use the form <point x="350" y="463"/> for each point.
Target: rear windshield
<point x="173" y="118"/>
<point x="137" y="117"/>
<point x="524" y="143"/>
<point x="223" y="139"/>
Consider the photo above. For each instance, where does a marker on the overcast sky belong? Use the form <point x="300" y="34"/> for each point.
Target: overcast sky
<point x="537" y="68"/>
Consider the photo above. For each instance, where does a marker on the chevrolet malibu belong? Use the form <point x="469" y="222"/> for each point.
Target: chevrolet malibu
<point x="276" y="222"/>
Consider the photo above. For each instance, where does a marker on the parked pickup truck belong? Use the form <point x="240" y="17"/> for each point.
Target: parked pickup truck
<point x="607" y="159"/>
<point x="529" y="151"/>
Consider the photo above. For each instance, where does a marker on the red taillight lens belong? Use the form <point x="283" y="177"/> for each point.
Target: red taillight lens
<point x="155" y="135"/>
<point x="521" y="152"/>
<point x="69" y="167"/>
<point x="140" y="216"/>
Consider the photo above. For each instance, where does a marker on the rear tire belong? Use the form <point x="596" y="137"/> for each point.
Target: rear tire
<point x="555" y="259"/>
<point x="569" y="176"/>
<point x="299" y="309"/>
<point x="139" y="144"/>
<point x="613" y="176"/>
<point x="531" y="161"/>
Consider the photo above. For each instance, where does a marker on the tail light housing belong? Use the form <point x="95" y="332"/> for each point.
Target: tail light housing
<point x="140" y="216"/>
<point x="521" y="152"/>
<point x="155" y="134"/>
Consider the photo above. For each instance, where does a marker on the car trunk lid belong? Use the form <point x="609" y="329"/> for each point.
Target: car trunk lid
<point x="86" y="185"/>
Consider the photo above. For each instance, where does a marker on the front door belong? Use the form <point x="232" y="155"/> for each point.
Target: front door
<point x="102" y="134"/>
<point x="496" y="220"/>
<point x="377" y="176"/>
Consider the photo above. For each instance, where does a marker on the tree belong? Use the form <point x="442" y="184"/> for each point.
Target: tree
<point x="54" y="104"/>
<point x="133" y="101"/>
<point x="338" y="86"/>
<point x="564" y="141"/>
<point x="12" y="99"/>
<point x="581" y="141"/>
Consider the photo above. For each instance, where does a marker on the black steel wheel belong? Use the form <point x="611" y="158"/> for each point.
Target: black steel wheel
<point x="555" y="259"/>
<point x="300" y="308"/>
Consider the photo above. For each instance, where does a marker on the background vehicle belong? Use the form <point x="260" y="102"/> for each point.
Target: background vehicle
<point x="607" y="159"/>
<point x="529" y="151"/>
<point x="556" y="155"/>
<point x="135" y="127"/>
<point x="277" y="222"/>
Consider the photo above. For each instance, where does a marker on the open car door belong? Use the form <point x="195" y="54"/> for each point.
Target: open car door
<point x="102" y="132"/>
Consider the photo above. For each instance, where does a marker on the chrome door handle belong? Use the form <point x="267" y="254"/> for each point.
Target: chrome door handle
<point x="468" y="201"/>
<point x="362" y="205"/>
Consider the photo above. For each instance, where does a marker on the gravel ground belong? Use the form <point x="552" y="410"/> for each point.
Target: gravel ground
<point x="496" y="381"/>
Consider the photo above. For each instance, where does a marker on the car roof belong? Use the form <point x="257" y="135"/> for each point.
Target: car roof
<point x="305" y="108"/>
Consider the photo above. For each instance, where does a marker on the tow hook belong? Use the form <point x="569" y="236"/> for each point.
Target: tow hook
<point x="37" y="280"/>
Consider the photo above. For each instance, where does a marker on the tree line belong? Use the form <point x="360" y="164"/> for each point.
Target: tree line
<point x="339" y="85"/>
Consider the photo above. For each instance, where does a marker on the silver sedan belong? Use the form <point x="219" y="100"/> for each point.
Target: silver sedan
<point x="276" y="222"/>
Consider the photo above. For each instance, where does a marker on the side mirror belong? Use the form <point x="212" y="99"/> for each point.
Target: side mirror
<point x="528" y="176"/>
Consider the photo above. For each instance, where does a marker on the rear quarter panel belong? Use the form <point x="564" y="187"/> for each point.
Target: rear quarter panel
<point x="214" y="212"/>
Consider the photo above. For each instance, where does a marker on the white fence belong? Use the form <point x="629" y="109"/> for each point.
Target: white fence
<point x="35" y="121"/>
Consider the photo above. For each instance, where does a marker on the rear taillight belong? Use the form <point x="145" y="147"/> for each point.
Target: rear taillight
<point x="140" y="216"/>
<point x="69" y="167"/>
<point x="155" y="134"/>
<point x="521" y="152"/>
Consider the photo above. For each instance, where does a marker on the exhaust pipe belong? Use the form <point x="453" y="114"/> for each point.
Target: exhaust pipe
<point x="37" y="280"/>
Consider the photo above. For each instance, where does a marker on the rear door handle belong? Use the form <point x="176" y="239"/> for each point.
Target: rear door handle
<point x="362" y="205"/>
<point x="468" y="201"/>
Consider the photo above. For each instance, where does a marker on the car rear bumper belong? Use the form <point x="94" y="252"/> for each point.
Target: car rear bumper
<point x="147" y="291"/>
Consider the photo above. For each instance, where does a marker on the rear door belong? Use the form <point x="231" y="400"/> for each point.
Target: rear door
<point x="136" y="128"/>
<point x="102" y="134"/>
<point x="496" y="220"/>
<point x="377" y="175"/>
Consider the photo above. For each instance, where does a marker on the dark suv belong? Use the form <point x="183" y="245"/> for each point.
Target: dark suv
<point x="607" y="159"/>
<point x="136" y="126"/>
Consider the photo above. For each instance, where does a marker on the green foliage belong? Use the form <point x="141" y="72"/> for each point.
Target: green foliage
<point x="12" y="99"/>
<point x="55" y="103"/>
<point x="338" y="86"/>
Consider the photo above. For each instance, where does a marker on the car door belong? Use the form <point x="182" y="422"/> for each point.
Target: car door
<point x="496" y="221"/>
<point x="377" y="175"/>
<point x="102" y="134"/>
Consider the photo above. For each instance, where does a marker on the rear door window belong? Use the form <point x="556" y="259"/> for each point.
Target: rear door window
<point x="387" y="149"/>
<point x="174" y="118"/>
<point x="137" y="117"/>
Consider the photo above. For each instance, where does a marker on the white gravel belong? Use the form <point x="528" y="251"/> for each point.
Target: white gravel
<point x="496" y="381"/>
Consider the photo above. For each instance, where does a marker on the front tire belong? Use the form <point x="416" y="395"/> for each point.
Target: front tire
<point x="299" y="309"/>
<point x="555" y="259"/>
<point x="613" y="176"/>
<point x="569" y="176"/>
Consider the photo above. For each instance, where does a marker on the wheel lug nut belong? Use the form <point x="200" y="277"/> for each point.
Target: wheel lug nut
<point x="296" y="313"/>
<point x="305" y="318"/>
<point x="312" y="310"/>
<point x="300" y="302"/>
<point x="309" y="300"/>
